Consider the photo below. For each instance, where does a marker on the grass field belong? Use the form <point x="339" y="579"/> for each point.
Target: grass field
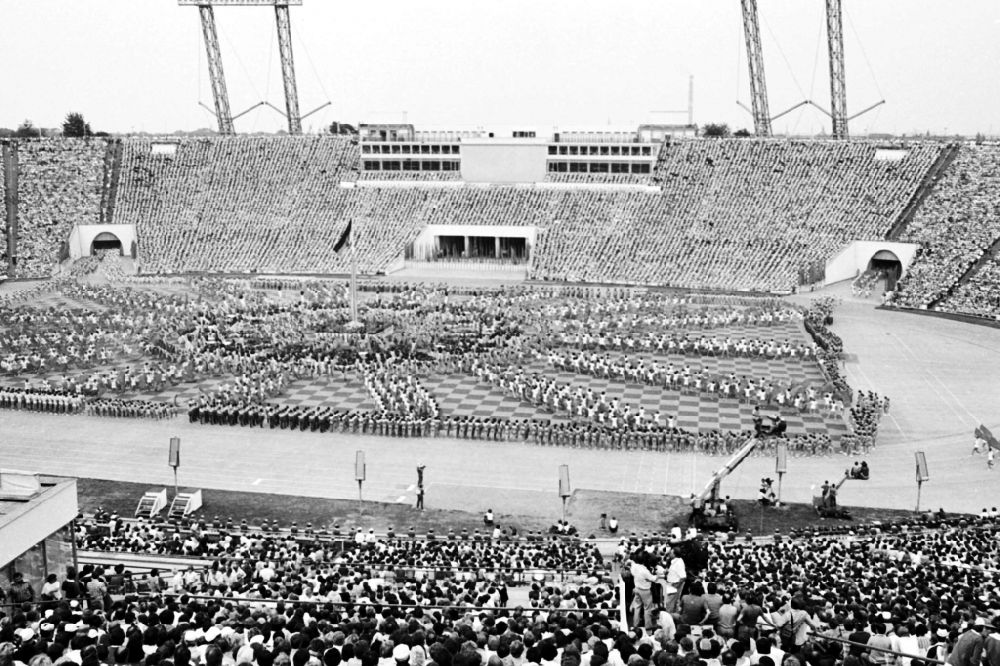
<point x="636" y="512"/>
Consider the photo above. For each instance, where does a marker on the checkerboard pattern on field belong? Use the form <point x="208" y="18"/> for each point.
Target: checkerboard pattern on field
<point x="777" y="370"/>
<point x="338" y="392"/>
<point x="785" y="330"/>
<point x="464" y="395"/>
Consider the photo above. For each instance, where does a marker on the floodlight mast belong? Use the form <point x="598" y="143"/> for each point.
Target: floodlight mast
<point x="755" y="62"/>
<point x="288" y="68"/>
<point x="220" y="94"/>
<point x="838" y="81"/>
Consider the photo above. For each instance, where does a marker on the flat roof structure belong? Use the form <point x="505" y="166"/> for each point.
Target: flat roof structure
<point x="32" y="508"/>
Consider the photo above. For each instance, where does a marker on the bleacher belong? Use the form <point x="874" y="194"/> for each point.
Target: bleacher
<point x="957" y="227"/>
<point x="60" y="184"/>
<point x="268" y="204"/>
<point x="734" y="213"/>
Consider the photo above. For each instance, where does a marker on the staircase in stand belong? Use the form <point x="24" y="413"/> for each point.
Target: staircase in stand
<point x="934" y="174"/>
<point x="112" y="175"/>
<point x="184" y="504"/>
<point x="152" y="502"/>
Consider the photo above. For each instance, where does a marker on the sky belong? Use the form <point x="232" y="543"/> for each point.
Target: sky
<point x="139" y="65"/>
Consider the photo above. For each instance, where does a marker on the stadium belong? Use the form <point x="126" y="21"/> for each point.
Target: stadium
<point x="392" y="394"/>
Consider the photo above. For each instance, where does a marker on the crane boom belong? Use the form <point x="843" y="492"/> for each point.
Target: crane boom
<point x="711" y="490"/>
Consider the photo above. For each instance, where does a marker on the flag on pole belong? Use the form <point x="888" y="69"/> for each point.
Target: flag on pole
<point x="345" y="238"/>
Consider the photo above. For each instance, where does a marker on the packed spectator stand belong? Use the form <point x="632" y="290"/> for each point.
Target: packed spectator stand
<point x="735" y="213"/>
<point x="237" y="204"/>
<point x="917" y="592"/>
<point x="956" y="227"/>
<point x="760" y="211"/>
<point x="59" y="186"/>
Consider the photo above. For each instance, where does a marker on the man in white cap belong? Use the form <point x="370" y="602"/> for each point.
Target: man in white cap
<point x="401" y="654"/>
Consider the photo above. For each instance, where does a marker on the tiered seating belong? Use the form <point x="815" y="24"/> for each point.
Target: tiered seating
<point x="238" y="203"/>
<point x="265" y="595"/>
<point x="732" y="213"/>
<point x="60" y="186"/>
<point x="599" y="178"/>
<point x="979" y="296"/>
<point x="437" y="176"/>
<point x="954" y="227"/>
<point x="746" y="214"/>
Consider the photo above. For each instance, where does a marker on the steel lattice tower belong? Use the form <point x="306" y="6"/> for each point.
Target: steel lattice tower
<point x="288" y="67"/>
<point x="838" y="83"/>
<point x="218" y="77"/>
<point x="755" y="62"/>
<point x="219" y="92"/>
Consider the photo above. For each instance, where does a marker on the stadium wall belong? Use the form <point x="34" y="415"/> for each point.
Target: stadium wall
<point x="854" y="259"/>
<point x="500" y="161"/>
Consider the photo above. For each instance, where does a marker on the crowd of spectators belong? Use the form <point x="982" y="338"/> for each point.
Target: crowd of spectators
<point x="922" y="591"/>
<point x="742" y="214"/>
<point x="60" y="183"/>
<point x="237" y="204"/>
<point x="435" y="176"/>
<point x="979" y="296"/>
<point x="954" y="226"/>
<point x="599" y="178"/>
<point x="731" y="213"/>
<point x="305" y="564"/>
<point x="734" y="214"/>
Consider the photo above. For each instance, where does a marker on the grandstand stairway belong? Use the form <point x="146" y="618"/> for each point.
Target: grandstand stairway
<point x="184" y="504"/>
<point x="151" y="503"/>
<point x="986" y="257"/>
<point x="112" y="176"/>
<point x="934" y="174"/>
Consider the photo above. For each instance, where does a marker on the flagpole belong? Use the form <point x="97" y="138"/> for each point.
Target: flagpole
<point x="354" y="275"/>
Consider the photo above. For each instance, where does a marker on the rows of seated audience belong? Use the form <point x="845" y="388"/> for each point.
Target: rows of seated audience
<point x="954" y="226"/>
<point x="979" y="296"/>
<point x="599" y="178"/>
<point x="436" y="176"/>
<point x="743" y="214"/>
<point x="735" y="213"/>
<point x="59" y="186"/>
<point x="239" y="203"/>
<point x="921" y="592"/>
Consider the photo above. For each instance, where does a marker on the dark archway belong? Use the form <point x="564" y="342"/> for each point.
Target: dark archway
<point x="106" y="241"/>
<point x="886" y="262"/>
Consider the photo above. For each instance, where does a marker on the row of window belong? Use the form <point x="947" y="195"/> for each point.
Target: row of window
<point x="638" y="151"/>
<point x="599" y="167"/>
<point x="408" y="149"/>
<point x="411" y="165"/>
